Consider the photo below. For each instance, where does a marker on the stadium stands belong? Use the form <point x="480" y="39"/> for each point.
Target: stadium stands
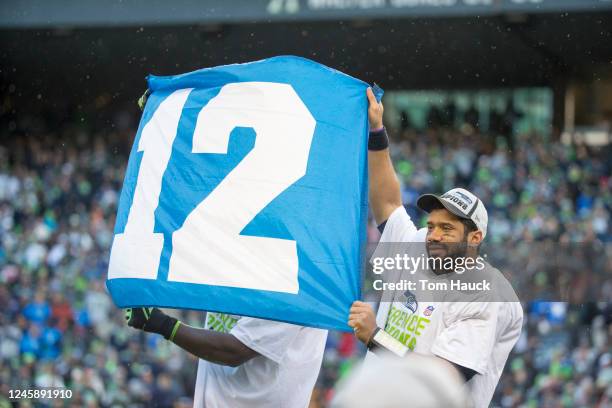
<point x="59" y="189"/>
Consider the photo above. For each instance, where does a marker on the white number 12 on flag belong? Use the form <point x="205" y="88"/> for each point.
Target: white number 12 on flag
<point x="208" y="248"/>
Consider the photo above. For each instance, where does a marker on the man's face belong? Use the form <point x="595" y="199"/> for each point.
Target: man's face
<point x="446" y="235"/>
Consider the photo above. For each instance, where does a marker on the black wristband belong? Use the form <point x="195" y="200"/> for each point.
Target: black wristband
<point x="371" y="345"/>
<point x="168" y="327"/>
<point x="160" y="323"/>
<point x="383" y="342"/>
<point x="378" y="140"/>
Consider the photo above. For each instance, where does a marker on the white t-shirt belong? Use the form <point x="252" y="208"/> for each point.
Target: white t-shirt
<point x="475" y="334"/>
<point x="283" y="375"/>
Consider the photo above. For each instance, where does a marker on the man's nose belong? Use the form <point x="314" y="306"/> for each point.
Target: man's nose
<point x="434" y="235"/>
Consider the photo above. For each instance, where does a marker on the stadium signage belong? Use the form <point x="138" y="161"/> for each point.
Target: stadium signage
<point x="424" y="7"/>
<point x="32" y="13"/>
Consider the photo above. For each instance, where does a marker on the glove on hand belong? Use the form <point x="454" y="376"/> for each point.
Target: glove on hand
<point x="152" y="320"/>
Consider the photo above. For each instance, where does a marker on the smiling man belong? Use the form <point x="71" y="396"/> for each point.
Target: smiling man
<point x="471" y="333"/>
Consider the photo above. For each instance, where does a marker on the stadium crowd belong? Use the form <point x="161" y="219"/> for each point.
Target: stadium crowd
<point x="59" y="190"/>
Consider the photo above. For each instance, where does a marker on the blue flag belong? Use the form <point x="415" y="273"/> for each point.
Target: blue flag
<point x="246" y="193"/>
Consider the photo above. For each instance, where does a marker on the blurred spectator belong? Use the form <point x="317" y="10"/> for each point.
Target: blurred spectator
<point x="415" y="381"/>
<point x="59" y="191"/>
<point x="37" y="311"/>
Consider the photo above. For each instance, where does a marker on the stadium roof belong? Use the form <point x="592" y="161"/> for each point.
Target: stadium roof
<point x="88" y="13"/>
<point x="423" y="53"/>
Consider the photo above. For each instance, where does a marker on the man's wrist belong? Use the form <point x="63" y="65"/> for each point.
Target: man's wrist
<point x="174" y="330"/>
<point x="381" y="340"/>
<point x="167" y="327"/>
<point x="370" y="344"/>
<point x="160" y="323"/>
<point x="378" y="139"/>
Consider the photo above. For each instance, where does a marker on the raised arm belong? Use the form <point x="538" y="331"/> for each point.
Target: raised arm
<point x="385" y="194"/>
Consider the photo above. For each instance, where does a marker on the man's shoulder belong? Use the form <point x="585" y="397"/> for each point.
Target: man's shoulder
<point x="502" y="289"/>
<point x="399" y="227"/>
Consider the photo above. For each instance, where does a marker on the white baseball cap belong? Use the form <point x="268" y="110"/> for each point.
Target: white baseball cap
<point x="460" y="202"/>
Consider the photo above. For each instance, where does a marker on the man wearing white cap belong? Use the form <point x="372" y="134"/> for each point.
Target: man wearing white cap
<point x="473" y="334"/>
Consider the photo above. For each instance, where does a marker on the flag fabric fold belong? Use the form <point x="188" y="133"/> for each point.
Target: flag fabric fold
<point x="246" y="193"/>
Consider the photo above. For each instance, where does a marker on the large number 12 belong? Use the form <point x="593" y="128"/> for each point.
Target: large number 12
<point x="208" y="248"/>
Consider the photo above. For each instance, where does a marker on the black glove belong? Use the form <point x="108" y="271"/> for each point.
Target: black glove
<point x="152" y="320"/>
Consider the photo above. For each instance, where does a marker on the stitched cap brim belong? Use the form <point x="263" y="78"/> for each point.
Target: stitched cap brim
<point x="428" y="202"/>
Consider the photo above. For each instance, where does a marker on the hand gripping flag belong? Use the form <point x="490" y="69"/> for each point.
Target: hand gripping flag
<point x="246" y="193"/>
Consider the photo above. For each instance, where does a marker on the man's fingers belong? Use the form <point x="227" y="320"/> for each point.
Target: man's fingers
<point x="359" y="313"/>
<point x="356" y="310"/>
<point x="361" y="309"/>
<point x="358" y="306"/>
<point x="357" y="321"/>
<point x="359" y="317"/>
<point x="371" y="97"/>
<point x="352" y="323"/>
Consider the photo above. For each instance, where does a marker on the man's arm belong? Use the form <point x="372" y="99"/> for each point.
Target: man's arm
<point x="385" y="194"/>
<point x="363" y="322"/>
<point x="219" y="348"/>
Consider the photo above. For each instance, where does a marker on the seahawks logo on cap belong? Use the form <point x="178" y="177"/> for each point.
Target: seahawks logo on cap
<point x="466" y="198"/>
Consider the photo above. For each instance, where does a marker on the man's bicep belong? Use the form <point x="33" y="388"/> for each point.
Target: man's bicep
<point x="384" y="187"/>
<point x="243" y="352"/>
<point x="385" y="212"/>
<point x="463" y="372"/>
<point x="466" y="373"/>
<point x="383" y="209"/>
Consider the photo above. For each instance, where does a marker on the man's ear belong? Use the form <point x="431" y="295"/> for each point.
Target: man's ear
<point x="475" y="237"/>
